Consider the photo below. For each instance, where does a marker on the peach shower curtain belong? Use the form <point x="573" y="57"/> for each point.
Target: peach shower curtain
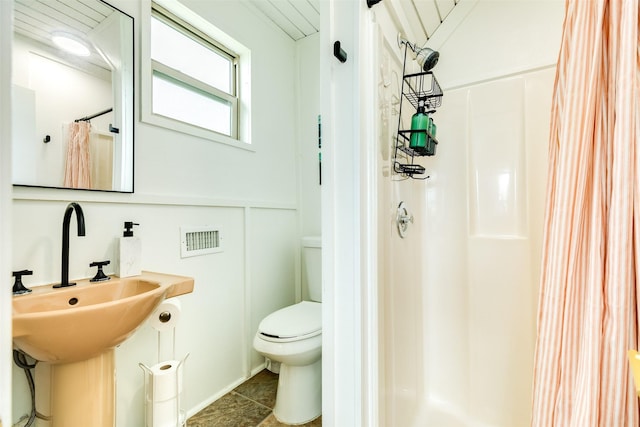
<point x="588" y="307"/>
<point x="77" y="173"/>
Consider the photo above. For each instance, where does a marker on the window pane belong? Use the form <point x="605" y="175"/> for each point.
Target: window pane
<point x="186" y="55"/>
<point x="188" y="105"/>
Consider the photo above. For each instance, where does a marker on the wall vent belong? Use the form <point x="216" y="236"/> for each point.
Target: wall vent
<point x="200" y="240"/>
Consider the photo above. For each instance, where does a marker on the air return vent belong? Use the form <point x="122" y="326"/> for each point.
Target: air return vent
<point x="200" y="240"/>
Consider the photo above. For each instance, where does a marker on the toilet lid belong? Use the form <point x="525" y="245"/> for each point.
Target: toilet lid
<point x="296" y="320"/>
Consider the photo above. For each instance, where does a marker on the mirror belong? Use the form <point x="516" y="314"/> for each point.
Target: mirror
<point x="72" y="112"/>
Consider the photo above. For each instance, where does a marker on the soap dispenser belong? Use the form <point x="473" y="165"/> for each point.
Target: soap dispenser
<point x="130" y="252"/>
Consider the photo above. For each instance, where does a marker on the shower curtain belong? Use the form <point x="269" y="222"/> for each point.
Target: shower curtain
<point x="588" y="306"/>
<point x="77" y="173"/>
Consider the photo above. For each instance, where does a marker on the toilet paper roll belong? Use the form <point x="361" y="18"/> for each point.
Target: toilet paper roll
<point x="163" y="414"/>
<point x="166" y="381"/>
<point x="166" y="315"/>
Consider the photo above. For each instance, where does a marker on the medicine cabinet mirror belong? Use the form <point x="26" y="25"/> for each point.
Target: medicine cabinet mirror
<point x="73" y="120"/>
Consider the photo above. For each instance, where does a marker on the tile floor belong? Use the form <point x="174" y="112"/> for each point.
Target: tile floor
<point x="248" y="405"/>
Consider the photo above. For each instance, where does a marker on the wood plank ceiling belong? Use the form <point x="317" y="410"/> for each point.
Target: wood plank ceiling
<point x="301" y="18"/>
<point x="38" y="19"/>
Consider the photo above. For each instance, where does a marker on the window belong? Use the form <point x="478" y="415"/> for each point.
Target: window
<point x="194" y="78"/>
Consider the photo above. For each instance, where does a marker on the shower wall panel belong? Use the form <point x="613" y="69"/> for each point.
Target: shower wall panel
<point x="459" y="292"/>
<point x="400" y="291"/>
<point x="404" y="296"/>
<point x="497" y="193"/>
<point x="482" y="235"/>
<point x="444" y="274"/>
<point x="501" y="340"/>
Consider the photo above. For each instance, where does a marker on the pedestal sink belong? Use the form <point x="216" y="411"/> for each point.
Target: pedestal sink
<point x="76" y="330"/>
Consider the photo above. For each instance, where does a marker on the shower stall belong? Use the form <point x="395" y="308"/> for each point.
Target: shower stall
<point x="458" y="293"/>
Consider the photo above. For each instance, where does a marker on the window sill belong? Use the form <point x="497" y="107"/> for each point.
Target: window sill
<point x="185" y="128"/>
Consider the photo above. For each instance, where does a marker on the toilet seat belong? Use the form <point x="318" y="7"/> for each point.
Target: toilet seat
<point x="293" y="323"/>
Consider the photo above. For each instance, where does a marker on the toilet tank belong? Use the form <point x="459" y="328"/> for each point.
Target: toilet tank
<point x="312" y="268"/>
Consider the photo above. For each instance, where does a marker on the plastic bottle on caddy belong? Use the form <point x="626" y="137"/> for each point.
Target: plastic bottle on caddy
<point x="420" y="124"/>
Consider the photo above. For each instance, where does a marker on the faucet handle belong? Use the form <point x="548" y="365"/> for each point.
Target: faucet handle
<point x="22" y="273"/>
<point x="100" y="276"/>
<point x="18" y="287"/>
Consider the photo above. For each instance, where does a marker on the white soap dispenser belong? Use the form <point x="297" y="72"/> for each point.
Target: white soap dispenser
<point x="130" y="252"/>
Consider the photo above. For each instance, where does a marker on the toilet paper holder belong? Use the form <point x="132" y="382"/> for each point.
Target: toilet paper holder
<point x="164" y="317"/>
<point x="167" y="315"/>
<point x="164" y="393"/>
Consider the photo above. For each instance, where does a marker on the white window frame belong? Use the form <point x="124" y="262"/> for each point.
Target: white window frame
<point x="187" y="20"/>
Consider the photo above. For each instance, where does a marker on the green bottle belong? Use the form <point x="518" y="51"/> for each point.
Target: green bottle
<point x="420" y="123"/>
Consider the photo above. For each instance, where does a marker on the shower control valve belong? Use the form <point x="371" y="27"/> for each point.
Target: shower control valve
<point x="403" y="218"/>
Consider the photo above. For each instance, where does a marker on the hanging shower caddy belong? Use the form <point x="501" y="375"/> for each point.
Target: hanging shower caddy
<point x="416" y="88"/>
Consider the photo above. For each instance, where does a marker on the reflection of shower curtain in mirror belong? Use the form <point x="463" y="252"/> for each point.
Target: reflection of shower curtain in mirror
<point x="77" y="173"/>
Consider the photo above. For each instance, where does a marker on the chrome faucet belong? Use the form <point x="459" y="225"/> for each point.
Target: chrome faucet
<point x="65" y="241"/>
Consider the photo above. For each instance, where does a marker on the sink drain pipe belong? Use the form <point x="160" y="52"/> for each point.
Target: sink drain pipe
<point x="20" y="359"/>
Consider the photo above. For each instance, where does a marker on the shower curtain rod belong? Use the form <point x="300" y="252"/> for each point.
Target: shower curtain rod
<point x="87" y="118"/>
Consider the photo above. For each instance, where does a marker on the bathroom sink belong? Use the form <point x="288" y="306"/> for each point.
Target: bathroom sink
<point x="80" y="322"/>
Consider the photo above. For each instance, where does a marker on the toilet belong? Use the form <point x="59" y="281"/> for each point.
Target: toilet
<point x="292" y="336"/>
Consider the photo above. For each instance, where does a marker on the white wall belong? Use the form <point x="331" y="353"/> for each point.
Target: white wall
<point x="307" y="119"/>
<point x="488" y="39"/>
<point x="183" y="180"/>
